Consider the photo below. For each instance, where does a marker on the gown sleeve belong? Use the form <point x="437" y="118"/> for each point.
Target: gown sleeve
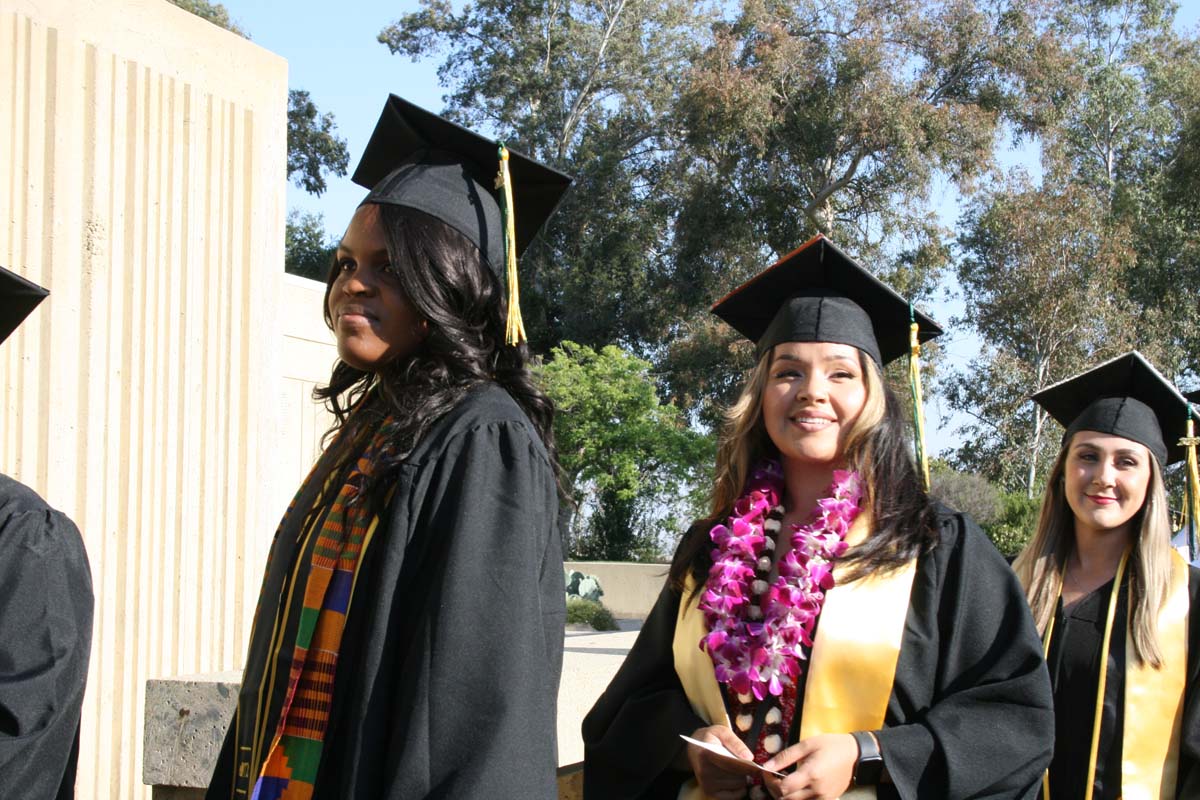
<point x="45" y="639"/>
<point x="474" y="712"/>
<point x="1188" y="782"/>
<point x="631" y="735"/>
<point x="972" y="694"/>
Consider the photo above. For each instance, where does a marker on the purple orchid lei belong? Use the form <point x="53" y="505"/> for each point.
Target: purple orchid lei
<point x="757" y="630"/>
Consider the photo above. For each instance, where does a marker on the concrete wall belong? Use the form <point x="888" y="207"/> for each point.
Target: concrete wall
<point x="158" y="395"/>
<point x="629" y="589"/>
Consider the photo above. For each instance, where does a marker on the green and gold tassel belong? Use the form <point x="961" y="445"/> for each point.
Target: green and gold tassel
<point x="1192" y="489"/>
<point x="514" y="328"/>
<point x="914" y="383"/>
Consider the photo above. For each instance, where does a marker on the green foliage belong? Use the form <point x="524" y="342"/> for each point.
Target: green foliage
<point x="308" y="249"/>
<point x="1016" y="523"/>
<point x="587" y="86"/>
<point x="836" y="117"/>
<point x="967" y="492"/>
<point x="313" y="147"/>
<point x="215" y="13"/>
<point x="589" y="612"/>
<point x="1114" y="91"/>
<point x="1041" y="278"/>
<point x="631" y="461"/>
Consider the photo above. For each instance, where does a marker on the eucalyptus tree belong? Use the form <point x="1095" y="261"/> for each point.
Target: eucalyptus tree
<point x="587" y="86"/>
<point x="1109" y="96"/>
<point x="1041" y="278"/>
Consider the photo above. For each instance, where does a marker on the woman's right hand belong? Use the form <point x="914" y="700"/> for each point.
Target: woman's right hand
<point x="712" y="772"/>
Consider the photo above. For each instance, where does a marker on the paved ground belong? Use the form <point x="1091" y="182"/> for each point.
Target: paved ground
<point x="590" y="660"/>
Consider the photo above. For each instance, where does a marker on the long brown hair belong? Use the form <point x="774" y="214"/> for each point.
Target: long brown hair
<point x="877" y="447"/>
<point x="1042" y="562"/>
<point x="452" y="289"/>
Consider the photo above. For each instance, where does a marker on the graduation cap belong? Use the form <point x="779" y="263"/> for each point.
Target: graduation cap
<point x="1127" y="397"/>
<point x="18" y="297"/>
<point x="489" y="194"/>
<point x="817" y="293"/>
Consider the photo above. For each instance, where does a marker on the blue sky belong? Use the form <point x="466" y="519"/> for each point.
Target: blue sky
<point x="333" y="54"/>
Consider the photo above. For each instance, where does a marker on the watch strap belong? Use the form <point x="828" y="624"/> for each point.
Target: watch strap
<point x="869" y="767"/>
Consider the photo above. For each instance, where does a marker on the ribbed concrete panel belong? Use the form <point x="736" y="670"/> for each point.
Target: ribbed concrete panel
<point x="142" y="181"/>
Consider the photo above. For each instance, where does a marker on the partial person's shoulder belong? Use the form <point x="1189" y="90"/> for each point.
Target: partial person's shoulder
<point x="487" y="408"/>
<point x="1194" y="583"/>
<point x="28" y="521"/>
<point x="17" y="498"/>
<point x="959" y="536"/>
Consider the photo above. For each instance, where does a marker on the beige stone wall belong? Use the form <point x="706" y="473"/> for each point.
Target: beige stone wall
<point x="158" y="396"/>
<point x="629" y="589"/>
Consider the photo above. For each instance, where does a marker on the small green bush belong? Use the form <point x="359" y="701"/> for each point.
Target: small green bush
<point x="1016" y="523"/>
<point x="589" y="612"/>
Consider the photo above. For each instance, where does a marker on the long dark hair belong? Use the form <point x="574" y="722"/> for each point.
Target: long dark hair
<point x="452" y="289"/>
<point x="903" y="518"/>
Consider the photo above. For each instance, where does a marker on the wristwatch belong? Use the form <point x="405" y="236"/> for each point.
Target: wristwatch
<point x="869" y="767"/>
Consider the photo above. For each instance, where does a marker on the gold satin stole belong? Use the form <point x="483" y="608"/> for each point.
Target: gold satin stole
<point x="1154" y="701"/>
<point x="851" y="669"/>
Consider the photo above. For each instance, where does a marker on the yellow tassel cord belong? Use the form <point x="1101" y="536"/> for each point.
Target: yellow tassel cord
<point x="514" y="328"/>
<point x="1108" y="626"/>
<point x="914" y="382"/>
<point x="1191" y="523"/>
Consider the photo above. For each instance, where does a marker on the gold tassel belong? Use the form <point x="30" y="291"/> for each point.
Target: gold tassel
<point x="514" y="328"/>
<point x="914" y="380"/>
<point x="1192" y="489"/>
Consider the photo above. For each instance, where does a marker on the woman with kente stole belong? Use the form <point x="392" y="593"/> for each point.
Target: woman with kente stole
<point x="408" y="638"/>
<point x="827" y="619"/>
<point x="1113" y="601"/>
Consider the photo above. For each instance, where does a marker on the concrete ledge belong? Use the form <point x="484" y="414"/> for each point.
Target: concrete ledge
<point x="629" y="589"/>
<point x="186" y="720"/>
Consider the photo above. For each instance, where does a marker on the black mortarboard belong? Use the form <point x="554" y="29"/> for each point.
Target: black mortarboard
<point x="1193" y="397"/>
<point x="817" y="293"/>
<point x="420" y="160"/>
<point x="18" y="297"/>
<point x="1125" y="397"/>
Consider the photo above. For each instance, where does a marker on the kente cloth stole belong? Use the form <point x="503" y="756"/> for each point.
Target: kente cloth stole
<point x="289" y="769"/>
<point x="849" y="673"/>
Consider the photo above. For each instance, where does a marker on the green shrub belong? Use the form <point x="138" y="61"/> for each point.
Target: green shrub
<point x="1016" y="523"/>
<point x="589" y="612"/>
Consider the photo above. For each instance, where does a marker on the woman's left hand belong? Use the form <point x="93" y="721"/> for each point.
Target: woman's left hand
<point x="824" y="768"/>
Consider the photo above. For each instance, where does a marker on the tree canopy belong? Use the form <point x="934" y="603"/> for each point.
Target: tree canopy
<point x="634" y="467"/>
<point x="708" y="140"/>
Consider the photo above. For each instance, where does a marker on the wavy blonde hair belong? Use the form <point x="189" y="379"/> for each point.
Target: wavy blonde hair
<point x="744" y="441"/>
<point x="1041" y="563"/>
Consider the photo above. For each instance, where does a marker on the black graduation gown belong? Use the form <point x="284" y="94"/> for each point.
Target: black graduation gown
<point x="1075" y="673"/>
<point x="448" y="676"/>
<point x="45" y="640"/>
<point x="969" y="716"/>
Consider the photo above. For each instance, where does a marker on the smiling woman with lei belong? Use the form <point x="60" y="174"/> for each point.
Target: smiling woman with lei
<point x="826" y="620"/>
<point x="1115" y="604"/>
